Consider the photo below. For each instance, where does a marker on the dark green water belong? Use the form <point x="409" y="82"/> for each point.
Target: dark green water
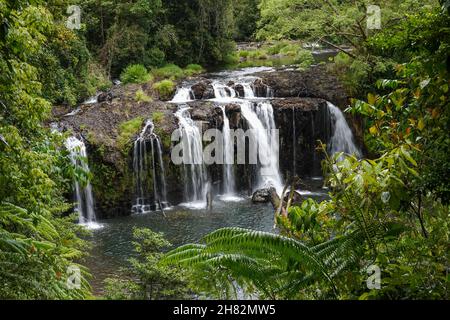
<point x="112" y="244"/>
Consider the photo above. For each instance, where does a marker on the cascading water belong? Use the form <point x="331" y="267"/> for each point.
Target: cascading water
<point x="223" y="92"/>
<point x="261" y="120"/>
<point x="141" y="166"/>
<point x="196" y="177"/>
<point x="83" y="193"/>
<point x="342" y="137"/>
<point x="248" y="91"/>
<point x="183" y="95"/>
<point x="228" y="152"/>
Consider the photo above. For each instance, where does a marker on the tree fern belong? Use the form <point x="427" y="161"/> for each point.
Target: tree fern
<point x="277" y="266"/>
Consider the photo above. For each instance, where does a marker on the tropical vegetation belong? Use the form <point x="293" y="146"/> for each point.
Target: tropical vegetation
<point x="387" y="215"/>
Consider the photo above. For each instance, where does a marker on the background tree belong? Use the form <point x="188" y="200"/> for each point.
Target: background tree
<point x="148" y="280"/>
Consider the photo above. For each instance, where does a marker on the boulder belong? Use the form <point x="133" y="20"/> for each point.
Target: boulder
<point x="105" y="97"/>
<point x="263" y="195"/>
<point x="200" y="88"/>
<point x="209" y="93"/>
<point x="232" y="108"/>
<point x="239" y="90"/>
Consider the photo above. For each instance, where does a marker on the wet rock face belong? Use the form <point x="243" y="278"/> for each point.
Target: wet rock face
<point x="233" y="112"/>
<point x="110" y="162"/>
<point x="301" y="122"/>
<point x="260" y="88"/>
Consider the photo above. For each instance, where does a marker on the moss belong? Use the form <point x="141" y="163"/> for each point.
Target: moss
<point x="92" y="138"/>
<point x="158" y="117"/>
<point x="110" y="184"/>
<point x="140" y="96"/>
<point x="127" y="131"/>
<point x="165" y="88"/>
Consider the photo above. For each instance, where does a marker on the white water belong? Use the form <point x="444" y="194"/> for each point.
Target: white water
<point x="248" y="91"/>
<point x="261" y="120"/>
<point x="92" y="99"/>
<point x="228" y="152"/>
<point x="183" y="95"/>
<point x="141" y="167"/>
<point x="83" y="193"/>
<point x="223" y="93"/>
<point x="342" y="137"/>
<point x="196" y="177"/>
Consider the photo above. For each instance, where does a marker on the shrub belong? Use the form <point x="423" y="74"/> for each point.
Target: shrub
<point x="97" y="79"/>
<point x="165" y="89"/>
<point x="135" y="73"/>
<point x="244" y="53"/>
<point x="231" y="59"/>
<point x="275" y="49"/>
<point x="170" y="71"/>
<point x="154" y="58"/>
<point x="193" y="69"/>
<point x="140" y="96"/>
<point x="146" y="278"/>
<point x="262" y="56"/>
<point x="291" y="49"/>
<point x="304" y="58"/>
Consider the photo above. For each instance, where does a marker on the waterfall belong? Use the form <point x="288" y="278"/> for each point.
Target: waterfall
<point x="183" y="95"/>
<point x="261" y="120"/>
<point x="228" y="151"/>
<point x="196" y="178"/>
<point x="342" y="137"/>
<point x="269" y="93"/>
<point x="223" y="92"/>
<point x="162" y="170"/>
<point x="83" y="193"/>
<point x="248" y="91"/>
<point x="141" y="165"/>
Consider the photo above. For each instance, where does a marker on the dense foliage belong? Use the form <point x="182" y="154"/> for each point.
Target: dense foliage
<point x="37" y="244"/>
<point x="155" y="32"/>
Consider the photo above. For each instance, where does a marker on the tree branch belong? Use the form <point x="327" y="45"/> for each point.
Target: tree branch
<point x="337" y="47"/>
